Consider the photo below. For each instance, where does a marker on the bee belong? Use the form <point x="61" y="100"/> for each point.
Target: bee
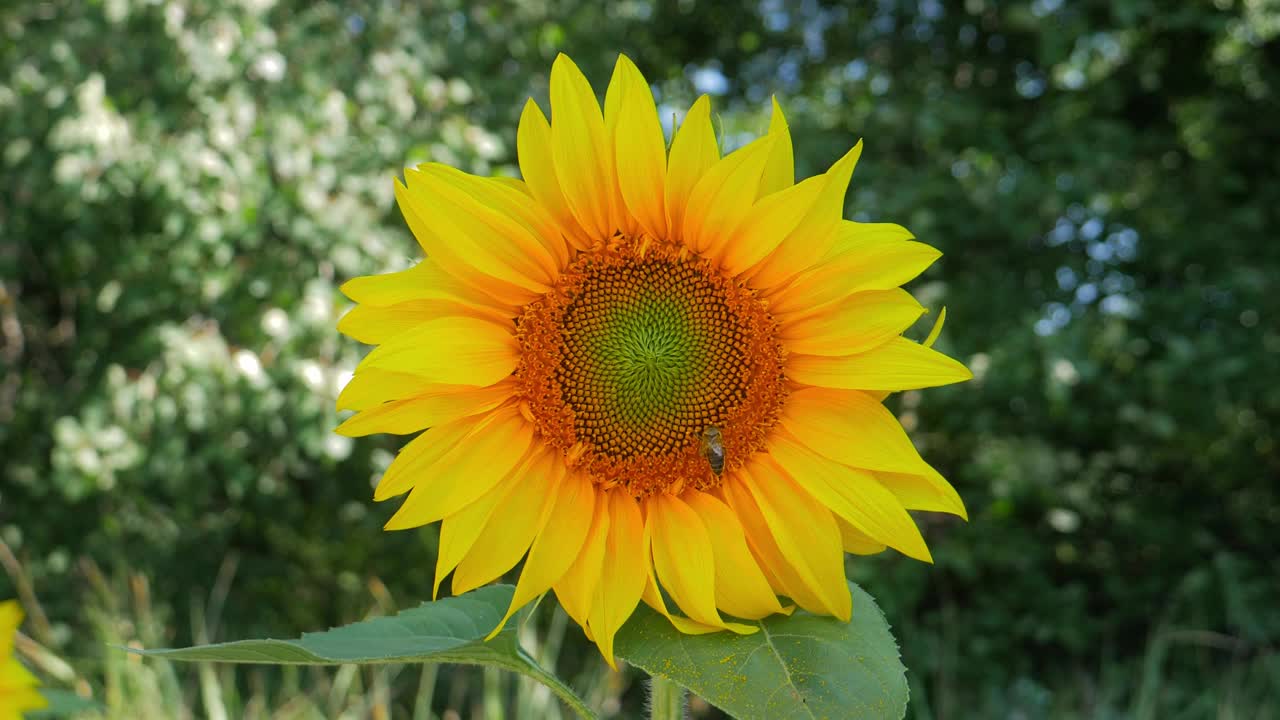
<point x="712" y="448"/>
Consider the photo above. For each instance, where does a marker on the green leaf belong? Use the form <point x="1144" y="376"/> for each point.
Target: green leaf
<point x="62" y="704"/>
<point x="803" y="666"/>
<point x="447" y="631"/>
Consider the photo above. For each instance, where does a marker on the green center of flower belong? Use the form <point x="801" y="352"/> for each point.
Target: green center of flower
<point x="646" y="352"/>
<point x="651" y="357"/>
<point x="637" y="354"/>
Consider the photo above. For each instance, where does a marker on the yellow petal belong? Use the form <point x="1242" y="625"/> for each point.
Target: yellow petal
<point x="514" y="183"/>
<point x="899" y="364"/>
<point x="10" y="618"/>
<point x="816" y="233"/>
<point x="622" y="219"/>
<point x="683" y="557"/>
<point x="852" y="428"/>
<point x="533" y="147"/>
<point x="880" y="395"/>
<point x="439" y="405"/>
<point x="623" y="575"/>
<point x="373" y="324"/>
<point x="853" y="235"/>
<point x="579" y="145"/>
<point x="716" y="203"/>
<point x="450" y="350"/>
<point x="777" y="569"/>
<point x="14" y="677"/>
<point x="576" y="589"/>
<point x="693" y="152"/>
<point x="876" y="266"/>
<point x="512" y="212"/>
<point x="473" y="270"/>
<point x="653" y="598"/>
<point x="22" y="694"/>
<point x="767" y="222"/>
<point x="476" y="233"/>
<point x="856" y="324"/>
<point x="926" y="490"/>
<point x="557" y="545"/>
<point x="932" y="337"/>
<point x="742" y="589"/>
<point x="857" y="542"/>
<point x="806" y="535"/>
<point x="689" y="626"/>
<point x="460" y="531"/>
<point x="854" y="495"/>
<point x="516" y="520"/>
<point x="425" y="281"/>
<point x="470" y="470"/>
<point x="416" y="283"/>
<point x="372" y="387"/>
<point x="641" y="151"/>
<point x="422" y="452"/>
<point x="779" y="172"/>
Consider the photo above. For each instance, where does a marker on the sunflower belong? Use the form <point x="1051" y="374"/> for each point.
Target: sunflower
<point x="17" y="685"/>
<point x="655" y="374"/>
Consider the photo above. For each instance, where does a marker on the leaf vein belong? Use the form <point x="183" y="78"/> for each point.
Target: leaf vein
<point x="786" y="670"/>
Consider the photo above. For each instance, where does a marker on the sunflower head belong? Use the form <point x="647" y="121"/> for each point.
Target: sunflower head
<point x="653" y="372"/>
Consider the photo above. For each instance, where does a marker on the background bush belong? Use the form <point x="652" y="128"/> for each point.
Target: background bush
<point x="186" y="184"/>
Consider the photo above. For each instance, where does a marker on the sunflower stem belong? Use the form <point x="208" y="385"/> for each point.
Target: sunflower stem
<point x="666" y="699"/>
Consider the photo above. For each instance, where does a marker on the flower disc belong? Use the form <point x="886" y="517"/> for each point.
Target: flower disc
<point x="637" y="353"/>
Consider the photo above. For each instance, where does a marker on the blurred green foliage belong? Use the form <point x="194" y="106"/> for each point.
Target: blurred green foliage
<point x="185" y="185"/>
